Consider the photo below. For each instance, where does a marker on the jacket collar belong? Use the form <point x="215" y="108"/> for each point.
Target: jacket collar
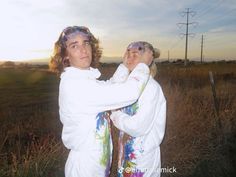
<point x="91" y="73"/>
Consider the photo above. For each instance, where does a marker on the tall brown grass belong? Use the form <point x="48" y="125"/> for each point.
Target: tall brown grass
<point x="194" y="144"/>
<point x="193" y="137"/>
<point x="30" y="144"/>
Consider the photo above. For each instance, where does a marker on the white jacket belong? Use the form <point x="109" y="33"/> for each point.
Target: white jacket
<point x="81" y="98"/>
<point x="144" y="121"/>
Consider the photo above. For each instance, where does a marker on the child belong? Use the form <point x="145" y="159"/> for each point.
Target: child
<point x="142" y="124"/>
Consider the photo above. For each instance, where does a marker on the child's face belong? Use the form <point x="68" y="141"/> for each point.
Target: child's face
<point x="133" y="58"/>
<point x="79" y="51"/>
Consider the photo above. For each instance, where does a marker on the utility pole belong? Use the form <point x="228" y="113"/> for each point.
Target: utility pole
<point x="168" y="56"/>
<point x="186" y="41"/>
<point x="187" y="13"/>
<point x="202" y="49"/>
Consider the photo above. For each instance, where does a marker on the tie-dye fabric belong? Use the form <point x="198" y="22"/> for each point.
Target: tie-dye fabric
<point x="103" y="135"/>
<point x="142" y="128"/>
<point x="127" y="154"/>
<point x="85" y="132"/>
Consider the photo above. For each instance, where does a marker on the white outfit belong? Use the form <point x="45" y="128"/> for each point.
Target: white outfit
<point x="144" y="122"/>
<point x="81" y="98"/>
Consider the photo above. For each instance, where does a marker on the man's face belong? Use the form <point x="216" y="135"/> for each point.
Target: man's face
<point x="79" y="52"/>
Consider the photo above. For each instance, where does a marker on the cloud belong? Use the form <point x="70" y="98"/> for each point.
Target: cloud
<point x="35" y="25"/>
<point x="217" y="30"/>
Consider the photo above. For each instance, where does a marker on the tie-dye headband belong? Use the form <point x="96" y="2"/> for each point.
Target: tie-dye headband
<point x="72" y="31"/>
<point x="141" y="46"/>
<point x="137" y="45"/>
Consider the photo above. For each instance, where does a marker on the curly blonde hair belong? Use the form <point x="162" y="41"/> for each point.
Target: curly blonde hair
<point x="153" y="66"/>
<point x="59" y="61"/>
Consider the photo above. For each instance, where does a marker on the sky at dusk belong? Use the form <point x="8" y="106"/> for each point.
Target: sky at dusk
<point x="29" y="28"/>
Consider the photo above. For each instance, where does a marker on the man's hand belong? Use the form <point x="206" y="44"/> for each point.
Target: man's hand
<point x="125" y="59"/>
<point x="146" y="57"/>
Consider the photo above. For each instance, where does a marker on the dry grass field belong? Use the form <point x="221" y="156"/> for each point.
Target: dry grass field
<point x="194" y="143"/>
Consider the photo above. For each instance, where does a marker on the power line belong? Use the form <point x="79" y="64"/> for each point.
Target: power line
<point x="198" y="5"/>
<point x="207" y="10"/>
<point x="187" y="13"/>
<point x="175" y="44"/>
<point x="220" y="17"/>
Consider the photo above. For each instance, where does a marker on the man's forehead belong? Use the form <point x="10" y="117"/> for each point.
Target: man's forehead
<point x="77" y="37"/>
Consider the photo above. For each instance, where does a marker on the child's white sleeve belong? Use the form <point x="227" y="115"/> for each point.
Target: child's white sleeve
<point x="150" y="108"/>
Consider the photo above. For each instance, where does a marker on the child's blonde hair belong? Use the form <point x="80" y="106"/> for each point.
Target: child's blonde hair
<point x="153" y="67"/>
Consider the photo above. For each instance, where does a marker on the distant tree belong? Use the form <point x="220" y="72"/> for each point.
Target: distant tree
<point x="8" y="64"/>
<point x="23" y="65"/>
